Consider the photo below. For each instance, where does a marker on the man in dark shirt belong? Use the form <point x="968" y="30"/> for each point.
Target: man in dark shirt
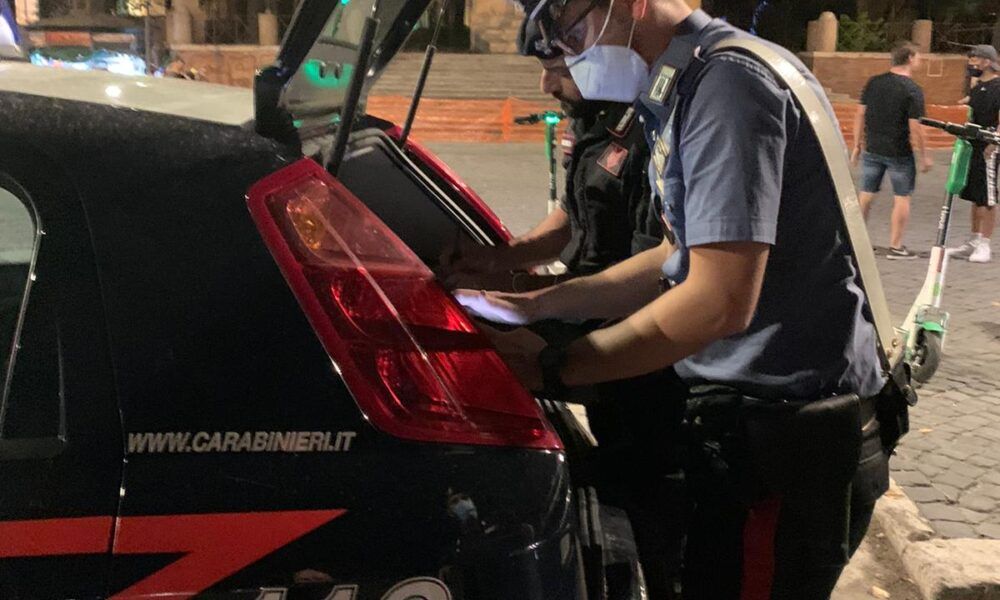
<point x="984" y="100"/>
<point x="891" y="105"/>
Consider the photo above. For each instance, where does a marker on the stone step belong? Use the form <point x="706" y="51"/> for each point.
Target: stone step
<point x="464" y="76"/>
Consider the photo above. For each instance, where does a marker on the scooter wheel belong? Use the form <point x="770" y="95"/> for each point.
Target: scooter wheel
<point x="926" y="356"/>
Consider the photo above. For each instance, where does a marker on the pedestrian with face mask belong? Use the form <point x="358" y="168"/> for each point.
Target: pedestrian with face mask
<point x="759" y="306"/>
<point x="981" y="190"/>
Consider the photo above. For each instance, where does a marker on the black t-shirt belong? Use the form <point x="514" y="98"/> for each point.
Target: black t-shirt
<point x="607" y="191"/>
<point x="985" y="102"/>
<point x="890" y="102"/>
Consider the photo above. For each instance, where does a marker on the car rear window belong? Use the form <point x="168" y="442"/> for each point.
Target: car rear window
<point x="17" y="247"/>
<point x="394" y="195"/>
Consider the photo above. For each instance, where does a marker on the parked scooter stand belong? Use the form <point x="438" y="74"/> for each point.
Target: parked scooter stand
<point x="926" y="325"/>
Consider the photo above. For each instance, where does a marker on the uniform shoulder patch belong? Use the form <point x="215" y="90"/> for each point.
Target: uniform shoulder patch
<point x="568" y="141"/>
<point x="624" y="124"/>
<point x="664" y="82"/>
<point x="613" y="159"/>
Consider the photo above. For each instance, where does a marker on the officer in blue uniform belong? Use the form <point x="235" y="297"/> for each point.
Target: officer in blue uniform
<point x="604" y="218"/>
<point x="765" y="317"/>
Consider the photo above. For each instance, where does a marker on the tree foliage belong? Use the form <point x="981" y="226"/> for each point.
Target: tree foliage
<point x="862" y="34"/>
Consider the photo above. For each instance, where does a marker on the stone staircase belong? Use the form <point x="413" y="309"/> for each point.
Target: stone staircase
<point x="471" y="95"/>
<point x="461" y="76"/>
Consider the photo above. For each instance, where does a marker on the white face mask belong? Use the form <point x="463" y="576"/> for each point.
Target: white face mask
<point x="609" y="73"/>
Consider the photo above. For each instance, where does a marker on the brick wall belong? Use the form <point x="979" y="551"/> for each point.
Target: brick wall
<point x="942" y="76"/>
<point x="229" y="64"/>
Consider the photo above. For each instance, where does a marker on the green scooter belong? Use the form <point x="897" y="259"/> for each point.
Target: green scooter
<point x="551" y="119"/>
<point x="926" y="325"/>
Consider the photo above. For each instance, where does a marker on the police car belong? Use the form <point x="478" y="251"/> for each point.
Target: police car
<point x="228" y="373"/>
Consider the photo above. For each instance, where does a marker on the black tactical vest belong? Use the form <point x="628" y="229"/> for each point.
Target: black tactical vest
<point x="607" y="190"/>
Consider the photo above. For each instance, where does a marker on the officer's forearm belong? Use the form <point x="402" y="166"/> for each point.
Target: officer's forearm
<point x="638" y="345"/>
<point x="707" y="307"/>
<point x="615" y="292"/>
<point x="539" y="246"/>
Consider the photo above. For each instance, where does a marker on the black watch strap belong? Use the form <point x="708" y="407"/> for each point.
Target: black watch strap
<point x="552" y="359"/>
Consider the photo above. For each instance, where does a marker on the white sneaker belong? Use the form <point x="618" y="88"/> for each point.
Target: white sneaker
<point x="982" y="253"/>
<point x="965" y="250"/>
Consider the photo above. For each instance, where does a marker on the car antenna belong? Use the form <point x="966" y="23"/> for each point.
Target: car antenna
<point x="353" y="93"/>
<point x="425" y="69"/>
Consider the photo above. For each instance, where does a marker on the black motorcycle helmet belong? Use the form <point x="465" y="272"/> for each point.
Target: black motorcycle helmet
<point x="530" y="40"/>
<point x="539" y="30"/>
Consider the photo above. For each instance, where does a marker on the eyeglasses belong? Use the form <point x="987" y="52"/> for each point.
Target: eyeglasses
<point x="571" y="38"/>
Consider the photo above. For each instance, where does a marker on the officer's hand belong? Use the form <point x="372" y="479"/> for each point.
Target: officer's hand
<point x="926" y="164"/>
<point x="499" y="307"/>
<point x="520" y="349"/>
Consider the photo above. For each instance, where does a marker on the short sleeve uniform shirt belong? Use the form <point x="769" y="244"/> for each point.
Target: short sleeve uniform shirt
<point x="744" y="165"/>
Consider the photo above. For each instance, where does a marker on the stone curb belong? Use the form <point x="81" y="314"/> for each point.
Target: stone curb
<point x="958" y="569"/>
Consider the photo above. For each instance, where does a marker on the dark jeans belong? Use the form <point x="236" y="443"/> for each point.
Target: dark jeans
<point x="749" y="540"/>
<point x="902" y="173"/>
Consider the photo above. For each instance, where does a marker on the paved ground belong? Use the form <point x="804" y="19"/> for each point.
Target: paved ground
<point x="948" y="465"/>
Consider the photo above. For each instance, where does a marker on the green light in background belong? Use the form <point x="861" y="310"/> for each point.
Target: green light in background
<point x="552" y="118"/>
<point x="313" y="73"/>
<point x="297" y="123"/>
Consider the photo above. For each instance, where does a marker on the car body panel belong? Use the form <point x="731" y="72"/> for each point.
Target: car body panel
<point x="198" y="334"/>
<point x="190" y="99"/>
<point x="60" y="439"/>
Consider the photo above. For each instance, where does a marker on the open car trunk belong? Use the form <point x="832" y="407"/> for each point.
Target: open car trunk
<point x="421" y="201"/>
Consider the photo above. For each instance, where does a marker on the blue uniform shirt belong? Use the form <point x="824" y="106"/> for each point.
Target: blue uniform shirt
<point x="739" y="162"/>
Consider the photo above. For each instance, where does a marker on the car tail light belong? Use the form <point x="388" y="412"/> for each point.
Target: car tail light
<point x="417" y="366"/>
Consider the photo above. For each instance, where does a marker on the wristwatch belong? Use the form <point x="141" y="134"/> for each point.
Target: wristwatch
<point x="552" y="359"/>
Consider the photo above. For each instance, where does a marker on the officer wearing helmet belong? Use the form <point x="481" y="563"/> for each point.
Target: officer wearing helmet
<point x="604" y="218"/>
<point x="764" y="314"/>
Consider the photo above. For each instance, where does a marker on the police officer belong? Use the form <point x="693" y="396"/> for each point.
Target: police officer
<point x="604" y="218"/>
<point x="766" y="318"/>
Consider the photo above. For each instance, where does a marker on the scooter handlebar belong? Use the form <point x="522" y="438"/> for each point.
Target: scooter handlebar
<point x="967" y="131"/>
<point x="550" y="117"/>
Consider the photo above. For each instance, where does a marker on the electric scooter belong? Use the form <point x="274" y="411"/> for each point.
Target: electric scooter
<point x="551" y="119"/>
<point x="926" y="325"/>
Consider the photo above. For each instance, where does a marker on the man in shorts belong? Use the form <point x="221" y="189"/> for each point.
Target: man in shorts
<point x="891" y="106"/>
<point x="984" y="100"/>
